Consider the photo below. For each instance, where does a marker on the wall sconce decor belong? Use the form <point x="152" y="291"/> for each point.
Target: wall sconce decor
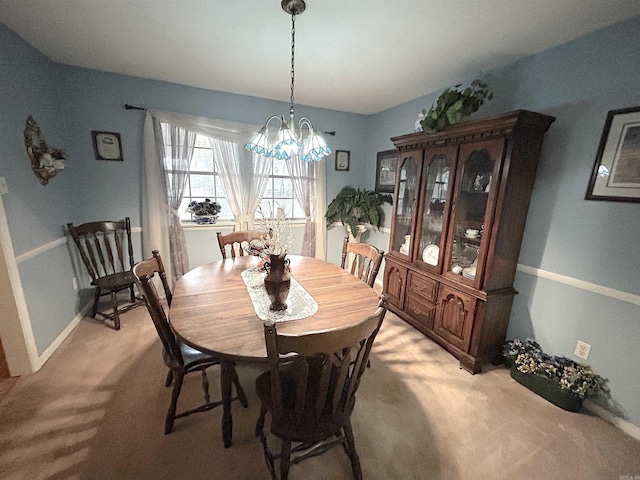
<point x="46" y="161"/>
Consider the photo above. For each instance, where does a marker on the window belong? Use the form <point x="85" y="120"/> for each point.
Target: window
<point x="203" y="181"/>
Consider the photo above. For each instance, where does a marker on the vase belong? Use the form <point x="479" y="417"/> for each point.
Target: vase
<point x="206" y="219"/>
<point x="548" y="389"/>
<point x="278" y="281"/>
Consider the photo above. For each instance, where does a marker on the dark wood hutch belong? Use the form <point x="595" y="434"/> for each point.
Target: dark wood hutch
<point x="461" y="201"/>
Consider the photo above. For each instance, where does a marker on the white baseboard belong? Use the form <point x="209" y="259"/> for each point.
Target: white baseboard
<point x="624" y="425"/>
<point x="61" y="337"/>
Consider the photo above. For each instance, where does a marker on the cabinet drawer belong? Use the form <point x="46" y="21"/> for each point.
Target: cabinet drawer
<point x="423" y="312"/>
<point x="423" y="287"/>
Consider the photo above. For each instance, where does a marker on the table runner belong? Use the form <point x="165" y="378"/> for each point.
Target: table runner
<point x="300" y="303"/>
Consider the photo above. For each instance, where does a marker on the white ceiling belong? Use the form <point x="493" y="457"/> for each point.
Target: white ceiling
<point x="359" y="56"/>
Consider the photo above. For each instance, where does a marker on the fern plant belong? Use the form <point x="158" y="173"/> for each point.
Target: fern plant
<point x="354" y="206"/>
<point x="454" y="105"/>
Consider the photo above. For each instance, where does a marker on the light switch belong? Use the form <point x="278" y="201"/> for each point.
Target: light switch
<point x="3" y="186"/>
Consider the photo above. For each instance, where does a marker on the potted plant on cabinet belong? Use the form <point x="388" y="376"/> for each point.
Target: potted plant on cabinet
<point x="204" y="212"/>
<point x="559" y="380"/>
<point x="454" y="105"/>
<point x="357" y="209"/>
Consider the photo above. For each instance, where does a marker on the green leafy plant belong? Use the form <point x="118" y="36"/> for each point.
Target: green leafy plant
<point x="577" y="378"/>
<point x="353" y="207"/>
<point x="454" y="105"/>
<point x="204" y="208"/>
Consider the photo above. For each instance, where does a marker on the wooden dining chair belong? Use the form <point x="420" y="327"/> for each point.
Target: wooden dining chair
<point x="180" y="358"/>
<point x="107" y="253"/>
<point x="310" y="388"/>
<point x="366" y="262"/>
<point x="234" y="241"/>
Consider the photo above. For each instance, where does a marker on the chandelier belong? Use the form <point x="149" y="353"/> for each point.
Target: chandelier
<point x="290" y="143"/>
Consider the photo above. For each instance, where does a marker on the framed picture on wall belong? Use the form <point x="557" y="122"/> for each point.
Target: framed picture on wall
<point x="342" y="160"/>
<point x="386" y="167"/>
<point x="616" y="173"/>
<point x="107" y="146"/>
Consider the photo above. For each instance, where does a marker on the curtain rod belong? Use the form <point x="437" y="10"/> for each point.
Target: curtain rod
<point x="132" y="107"/>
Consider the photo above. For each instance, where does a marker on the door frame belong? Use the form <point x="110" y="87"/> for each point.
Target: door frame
<point x="15" y="326"/>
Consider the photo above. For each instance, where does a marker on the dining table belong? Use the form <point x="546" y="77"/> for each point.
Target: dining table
<point x="212" y="311"/>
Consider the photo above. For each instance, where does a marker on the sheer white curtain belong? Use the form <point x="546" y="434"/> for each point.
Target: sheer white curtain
<point x="173" y="153"/>
<point x="309" y="188"/>
<point x="244" y="176"/>
<point x="155" y="223"/>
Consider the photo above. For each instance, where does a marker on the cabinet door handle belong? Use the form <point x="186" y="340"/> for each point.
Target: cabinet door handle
<point x="417" y="311"/>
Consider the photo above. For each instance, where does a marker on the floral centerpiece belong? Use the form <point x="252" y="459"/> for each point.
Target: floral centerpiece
<point x="278" y="233"/>
<point x="204" y="212"/>
<point x="558" y="379"/>
<point x="276" y="244"/>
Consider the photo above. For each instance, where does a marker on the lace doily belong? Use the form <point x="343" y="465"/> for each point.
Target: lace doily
<point x="300" y="303"/>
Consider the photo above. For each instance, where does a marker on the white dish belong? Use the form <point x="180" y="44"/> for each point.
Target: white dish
<point x="469" y="272"/>
<point x="430" y="254"/>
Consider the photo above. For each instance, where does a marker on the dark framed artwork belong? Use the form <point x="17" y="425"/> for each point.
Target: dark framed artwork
<point x="343" y="157"/>
<point x="386" y="167"/>
<point x="616" y="173"/>
<point x="107" y="146"/>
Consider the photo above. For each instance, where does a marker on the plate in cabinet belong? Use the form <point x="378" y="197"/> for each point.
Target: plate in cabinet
<point x="430" y="255"/>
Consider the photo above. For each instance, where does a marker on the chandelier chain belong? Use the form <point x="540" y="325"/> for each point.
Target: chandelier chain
<point x="293" y="51"/>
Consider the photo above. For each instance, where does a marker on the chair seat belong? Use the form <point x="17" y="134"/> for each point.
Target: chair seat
<point x="115" y="281"/>
<point x="191" y="356"/>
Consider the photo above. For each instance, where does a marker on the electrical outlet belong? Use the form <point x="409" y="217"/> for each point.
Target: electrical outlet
<point x="582" y="350"/>
<point x="74" y="282"/>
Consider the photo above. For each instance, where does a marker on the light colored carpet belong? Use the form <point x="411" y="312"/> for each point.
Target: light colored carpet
<point x="96" y="411"/>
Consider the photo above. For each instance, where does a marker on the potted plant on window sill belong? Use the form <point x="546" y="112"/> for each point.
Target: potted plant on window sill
<point x="357" y="209"/>
<point x="204" y="213"/>
<point x="559" y="380"/>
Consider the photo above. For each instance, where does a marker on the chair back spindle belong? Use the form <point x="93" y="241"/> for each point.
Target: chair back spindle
<point x="234" y="241"/>
<point x="366" y="262"/>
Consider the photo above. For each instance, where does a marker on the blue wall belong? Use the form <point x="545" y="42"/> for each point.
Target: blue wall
<point x="585" y="240"/>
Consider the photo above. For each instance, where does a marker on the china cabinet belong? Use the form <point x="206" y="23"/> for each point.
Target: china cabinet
<point x="461" y="200"/>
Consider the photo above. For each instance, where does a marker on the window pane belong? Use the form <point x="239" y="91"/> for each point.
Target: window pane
<point x="202" y="186"/>
<point x="202" y="160"/>
<point x="298" y="212"/>
<point x="225" y="212"/>
<point x="282" y="188"/>
<point x="280" y="168"/>
<point x="268" y="191"/>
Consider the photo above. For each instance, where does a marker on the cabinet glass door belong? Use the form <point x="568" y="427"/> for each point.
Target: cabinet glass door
<point x="438" y="175"/>
<point x="406" y="201"/>
<point x="471" y="225"/>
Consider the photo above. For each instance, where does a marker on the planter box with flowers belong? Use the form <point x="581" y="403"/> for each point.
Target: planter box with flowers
<point x="559" y="380"/>
<point x="204" y="212"/>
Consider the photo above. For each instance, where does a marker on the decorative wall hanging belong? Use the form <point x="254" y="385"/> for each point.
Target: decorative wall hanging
<point x="342" y="160"/>
<point x="386" y="167"/>
<point x="616" y="173"/>
<point x="46" y="161"/>
<point x="107" y="146"/>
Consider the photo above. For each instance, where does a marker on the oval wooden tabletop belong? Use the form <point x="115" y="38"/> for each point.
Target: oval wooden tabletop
<point x="211" y="309"/>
